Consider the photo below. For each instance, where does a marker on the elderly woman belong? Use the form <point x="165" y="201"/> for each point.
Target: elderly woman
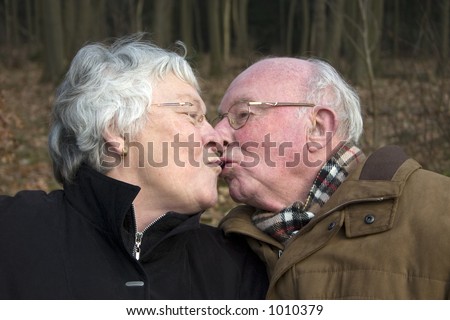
<point x="137" y="158"/>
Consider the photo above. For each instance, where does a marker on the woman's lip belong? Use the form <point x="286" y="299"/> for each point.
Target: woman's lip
<point x="224" y="161"/>
<point x="227" y="162"/>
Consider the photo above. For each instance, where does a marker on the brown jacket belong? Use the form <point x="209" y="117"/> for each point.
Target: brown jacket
<point x="384" y="234"/>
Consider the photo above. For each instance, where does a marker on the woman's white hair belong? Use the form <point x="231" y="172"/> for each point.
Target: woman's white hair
<point x="107" y="88"/>
<point x="328" y="88"/>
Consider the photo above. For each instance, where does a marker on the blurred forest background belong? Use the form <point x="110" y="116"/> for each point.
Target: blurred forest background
<point x="395" y="52"/>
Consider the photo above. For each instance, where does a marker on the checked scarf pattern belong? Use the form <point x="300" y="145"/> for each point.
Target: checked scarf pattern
<point x="281" y="226"/>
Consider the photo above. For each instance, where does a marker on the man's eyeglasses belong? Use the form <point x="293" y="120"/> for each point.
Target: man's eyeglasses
<point x="195" y="117"/>
<point x="240" y="112"/>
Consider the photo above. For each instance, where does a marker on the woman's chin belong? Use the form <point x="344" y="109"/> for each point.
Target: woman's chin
<point x="209" y="202"/>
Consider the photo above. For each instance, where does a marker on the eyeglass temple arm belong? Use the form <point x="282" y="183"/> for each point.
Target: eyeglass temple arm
<point x="281" y="104"/>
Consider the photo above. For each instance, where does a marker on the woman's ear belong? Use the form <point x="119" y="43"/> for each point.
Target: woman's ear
<point x="323" y="126"/>
<point x="115" y="144"/>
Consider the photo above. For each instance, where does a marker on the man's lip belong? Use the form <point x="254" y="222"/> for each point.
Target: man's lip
<point x="217" y="162"/>
<point x="226" y="161"/>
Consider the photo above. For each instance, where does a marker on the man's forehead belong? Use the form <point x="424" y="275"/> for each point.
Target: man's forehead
<point x="271" y="79"/>
<point x="277" y="67"/>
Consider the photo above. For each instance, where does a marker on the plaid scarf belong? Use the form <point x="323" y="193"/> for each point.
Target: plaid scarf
<point x="281" y="226"/>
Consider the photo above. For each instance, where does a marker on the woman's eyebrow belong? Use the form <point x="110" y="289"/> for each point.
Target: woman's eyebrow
<point x="195" y="101"/>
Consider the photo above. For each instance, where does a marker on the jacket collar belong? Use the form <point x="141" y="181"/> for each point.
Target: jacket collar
<point x="106" y="203"/>
<point x="102" y="200"/>
<point x="239" y="220"/>
<point x="379" y="178"/>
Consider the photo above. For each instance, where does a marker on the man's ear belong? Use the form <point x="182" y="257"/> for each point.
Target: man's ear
<point x="114" y="143"/>
<point x="323" y="126"/>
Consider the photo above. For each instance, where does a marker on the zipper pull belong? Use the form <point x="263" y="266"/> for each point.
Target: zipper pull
<point x="137" y="244"/>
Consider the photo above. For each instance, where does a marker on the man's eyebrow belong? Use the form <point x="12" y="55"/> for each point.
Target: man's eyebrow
<point x="234" y="102"/>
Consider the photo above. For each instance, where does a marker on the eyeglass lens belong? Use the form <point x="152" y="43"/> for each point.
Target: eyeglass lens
<point x="237" y="115"/>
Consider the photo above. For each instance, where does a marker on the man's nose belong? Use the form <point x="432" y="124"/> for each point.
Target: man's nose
<point x="225" y="132"/>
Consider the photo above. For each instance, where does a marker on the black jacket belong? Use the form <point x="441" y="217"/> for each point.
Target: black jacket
<point x="78" y="244"/>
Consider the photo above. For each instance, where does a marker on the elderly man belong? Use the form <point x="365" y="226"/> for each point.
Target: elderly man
<point x="328" y="222"/>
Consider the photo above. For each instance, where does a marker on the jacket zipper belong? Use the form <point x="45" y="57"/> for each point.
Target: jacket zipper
<point x="140" y="234"/>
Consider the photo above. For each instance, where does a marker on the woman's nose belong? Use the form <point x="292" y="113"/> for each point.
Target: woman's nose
<point x="212" y="139"/>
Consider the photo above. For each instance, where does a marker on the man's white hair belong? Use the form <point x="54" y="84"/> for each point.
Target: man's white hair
<point x="327" y="87"/>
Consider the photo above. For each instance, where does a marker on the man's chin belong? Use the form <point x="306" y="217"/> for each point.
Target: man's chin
<point x="236" y="195"/>
<point x="238" y="189"/>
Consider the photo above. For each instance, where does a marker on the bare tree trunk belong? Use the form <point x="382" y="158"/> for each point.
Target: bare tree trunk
<point x="396" y="28"/>
<point x="226" y="30"/>
<point x="70" y="23"/>
<point x="353" y="42"/>
<point x="375" y="25"/>
<point x="84" y="21"/>
<point x="364" y="8"/>
<point x="240" y="21"/>
<point x="282" y="18"/>
<point x="353" y="52"/>
<point x="29" y="21"/>
<point x="335" y="30"/>
<point x="163" y="21"/>
<point x="37" y="21"/>
<point x="365" y="36"/>
<point x="187" y="16"/>
<point x="319" y="27"/>
<point x="135" y="9"/>
<point x="138" y="17"/>
<point x="198" y="26"/>
<point x="214" y="37"/>
<point x="100" y="22"/>
<point x="53" y="40"/>
<point x="119" y="22"/>
<point x="445" y="17"/>
<point x="305" y="37"/>
<point x="7" y="22"/>
<point x="11" y="22"/>
<point x="290" y="26"/>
